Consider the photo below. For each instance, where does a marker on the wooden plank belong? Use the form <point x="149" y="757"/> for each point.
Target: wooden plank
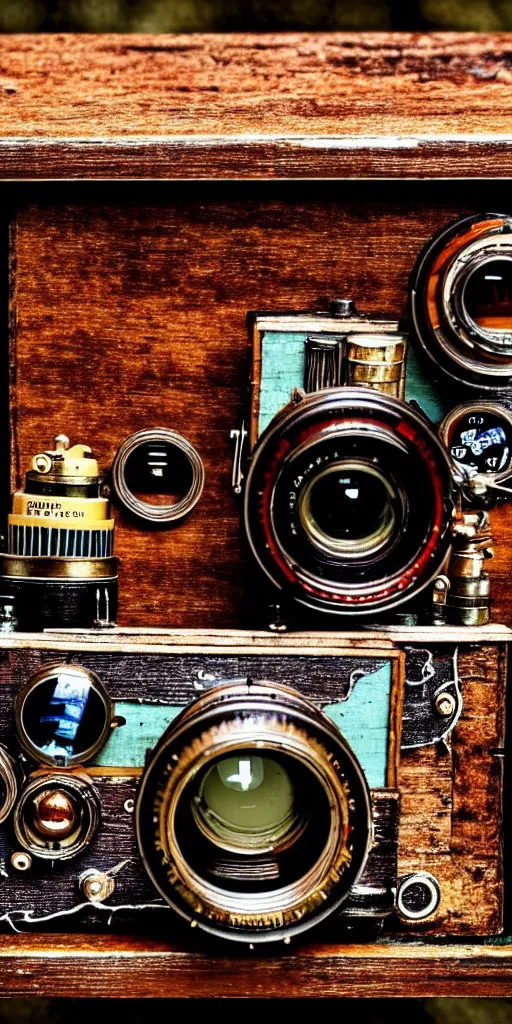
<point x="452" y="805"/>
<point x="255" y="106"/>
<point x="103" y="965"/>
<point x="374" y="642"/>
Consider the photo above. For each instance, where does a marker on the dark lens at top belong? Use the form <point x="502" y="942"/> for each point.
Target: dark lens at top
<point x="488" y="295"/>
<point x="158" y="472"/>
<point x="64" y="716"/>
<point x="349" y="505"/>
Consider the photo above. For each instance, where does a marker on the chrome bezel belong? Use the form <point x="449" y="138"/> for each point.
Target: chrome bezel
<point x="462" y="410"/>
<point x="153" y="513"/>
<point x="41" y="676"/>
<point x="81" y="790"/>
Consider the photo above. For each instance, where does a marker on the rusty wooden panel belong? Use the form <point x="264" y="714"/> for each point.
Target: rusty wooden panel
<point x="452" y="804"/>
<point x="100" y="965"/>
<point x="246" y="106"/>
<point x="130" y="312"/>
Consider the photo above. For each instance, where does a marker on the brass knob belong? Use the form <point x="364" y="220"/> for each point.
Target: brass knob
<point x="54" y="814"/>
<point x="96" y="885"/>
<point x="445" y="704"/>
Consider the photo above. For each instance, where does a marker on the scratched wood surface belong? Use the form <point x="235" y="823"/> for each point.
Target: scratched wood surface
<point x="242" y="106"/>
<point x="107" y="966"/>
<point x="130" y="307"/>
<point x="452" y="804"/>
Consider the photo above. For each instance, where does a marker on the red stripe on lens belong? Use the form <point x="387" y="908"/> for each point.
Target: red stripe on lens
<point x="407" y="431"/>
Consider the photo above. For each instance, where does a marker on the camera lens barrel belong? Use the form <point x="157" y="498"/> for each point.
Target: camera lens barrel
<point x="461" y="301"/>
<point x="253" y="817"/>
<point x="349" y="502"/>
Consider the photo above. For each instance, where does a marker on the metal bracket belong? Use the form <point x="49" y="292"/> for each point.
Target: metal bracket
<point x="239" y="436"/>
<point x="432" y="695"/>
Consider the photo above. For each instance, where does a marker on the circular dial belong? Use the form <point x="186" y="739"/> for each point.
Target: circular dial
<point x="479" y="438"/>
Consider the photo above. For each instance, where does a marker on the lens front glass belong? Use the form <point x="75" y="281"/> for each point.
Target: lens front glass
<point x="63" y="715"/>
<point x="487" y="295"/>
<point x="158" y="472"/>
<point x="247" y="800"/>
<point x="349" y="509"/>
<point x="253" y="821"/>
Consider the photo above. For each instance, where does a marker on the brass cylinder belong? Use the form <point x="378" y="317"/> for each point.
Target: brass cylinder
<point x="377" y="361"/>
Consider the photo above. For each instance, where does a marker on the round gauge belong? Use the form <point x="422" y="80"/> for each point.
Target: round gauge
<point x="478" y="436"/>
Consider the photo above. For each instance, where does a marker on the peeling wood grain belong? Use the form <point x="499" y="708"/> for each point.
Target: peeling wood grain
<point x="255" y="106"/>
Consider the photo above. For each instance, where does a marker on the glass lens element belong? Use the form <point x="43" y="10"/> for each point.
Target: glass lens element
<point x="488" y="295"/>
<point x="348" y="510"/>
<point x="246" y="796"/>
<point x="158" y="472"/>
<point x="64" y="716"/>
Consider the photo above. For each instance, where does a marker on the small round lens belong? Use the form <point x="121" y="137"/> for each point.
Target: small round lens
<point x="158" y="473"/>
<point x="488" y="295"/>
<point x="348" y="510"/>
<point x="64" y="715"/>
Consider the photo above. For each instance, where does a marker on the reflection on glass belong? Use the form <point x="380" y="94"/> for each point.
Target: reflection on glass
<point x="63" y="715"/>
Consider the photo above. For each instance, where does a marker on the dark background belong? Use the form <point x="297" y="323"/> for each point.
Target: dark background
<point x="258" y="16"/>
<point x="252" y="15"/>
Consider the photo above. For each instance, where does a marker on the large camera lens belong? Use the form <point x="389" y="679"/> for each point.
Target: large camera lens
<point x="349" y="501"/>
<point x="461" y="301"/>
<point x="246" y="802"/>
<point x="488" y="295"/>
<point x="348" y="509"/>
<point x="253" y="817"/>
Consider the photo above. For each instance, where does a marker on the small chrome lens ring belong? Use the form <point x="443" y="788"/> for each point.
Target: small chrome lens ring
<point x="458" y="277"/>
<point x="82" y="678"/>
<point x="426" y="885"/>
<point x="158" y="513"/>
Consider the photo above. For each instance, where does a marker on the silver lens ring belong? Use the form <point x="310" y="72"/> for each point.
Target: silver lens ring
<point x="347" y="547"/>
<point x="164" y="513"/>
<point x="474" y="257"/>
<point x="418" y="896"/>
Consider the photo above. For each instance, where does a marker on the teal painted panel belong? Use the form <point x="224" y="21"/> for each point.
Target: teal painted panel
<point x="282" y="369"/>
<point x="145" y="723"/>
<point x="364" y="722"/>
<point x="363" y="719"/>
<point x="420" y="387"/>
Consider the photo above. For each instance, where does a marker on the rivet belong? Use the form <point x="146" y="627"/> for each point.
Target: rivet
<point x="21" y="861"/>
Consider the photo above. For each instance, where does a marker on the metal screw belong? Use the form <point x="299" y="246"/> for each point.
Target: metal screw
<point x="21" y="861"/>
<point x="342" y="307"/>
<point x="445" y="704"/>
<point x="96" y="885"/>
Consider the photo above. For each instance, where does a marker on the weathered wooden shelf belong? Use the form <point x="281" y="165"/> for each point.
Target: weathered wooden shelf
<point x="108" y="965"/>
<point x="256" y="106"/>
